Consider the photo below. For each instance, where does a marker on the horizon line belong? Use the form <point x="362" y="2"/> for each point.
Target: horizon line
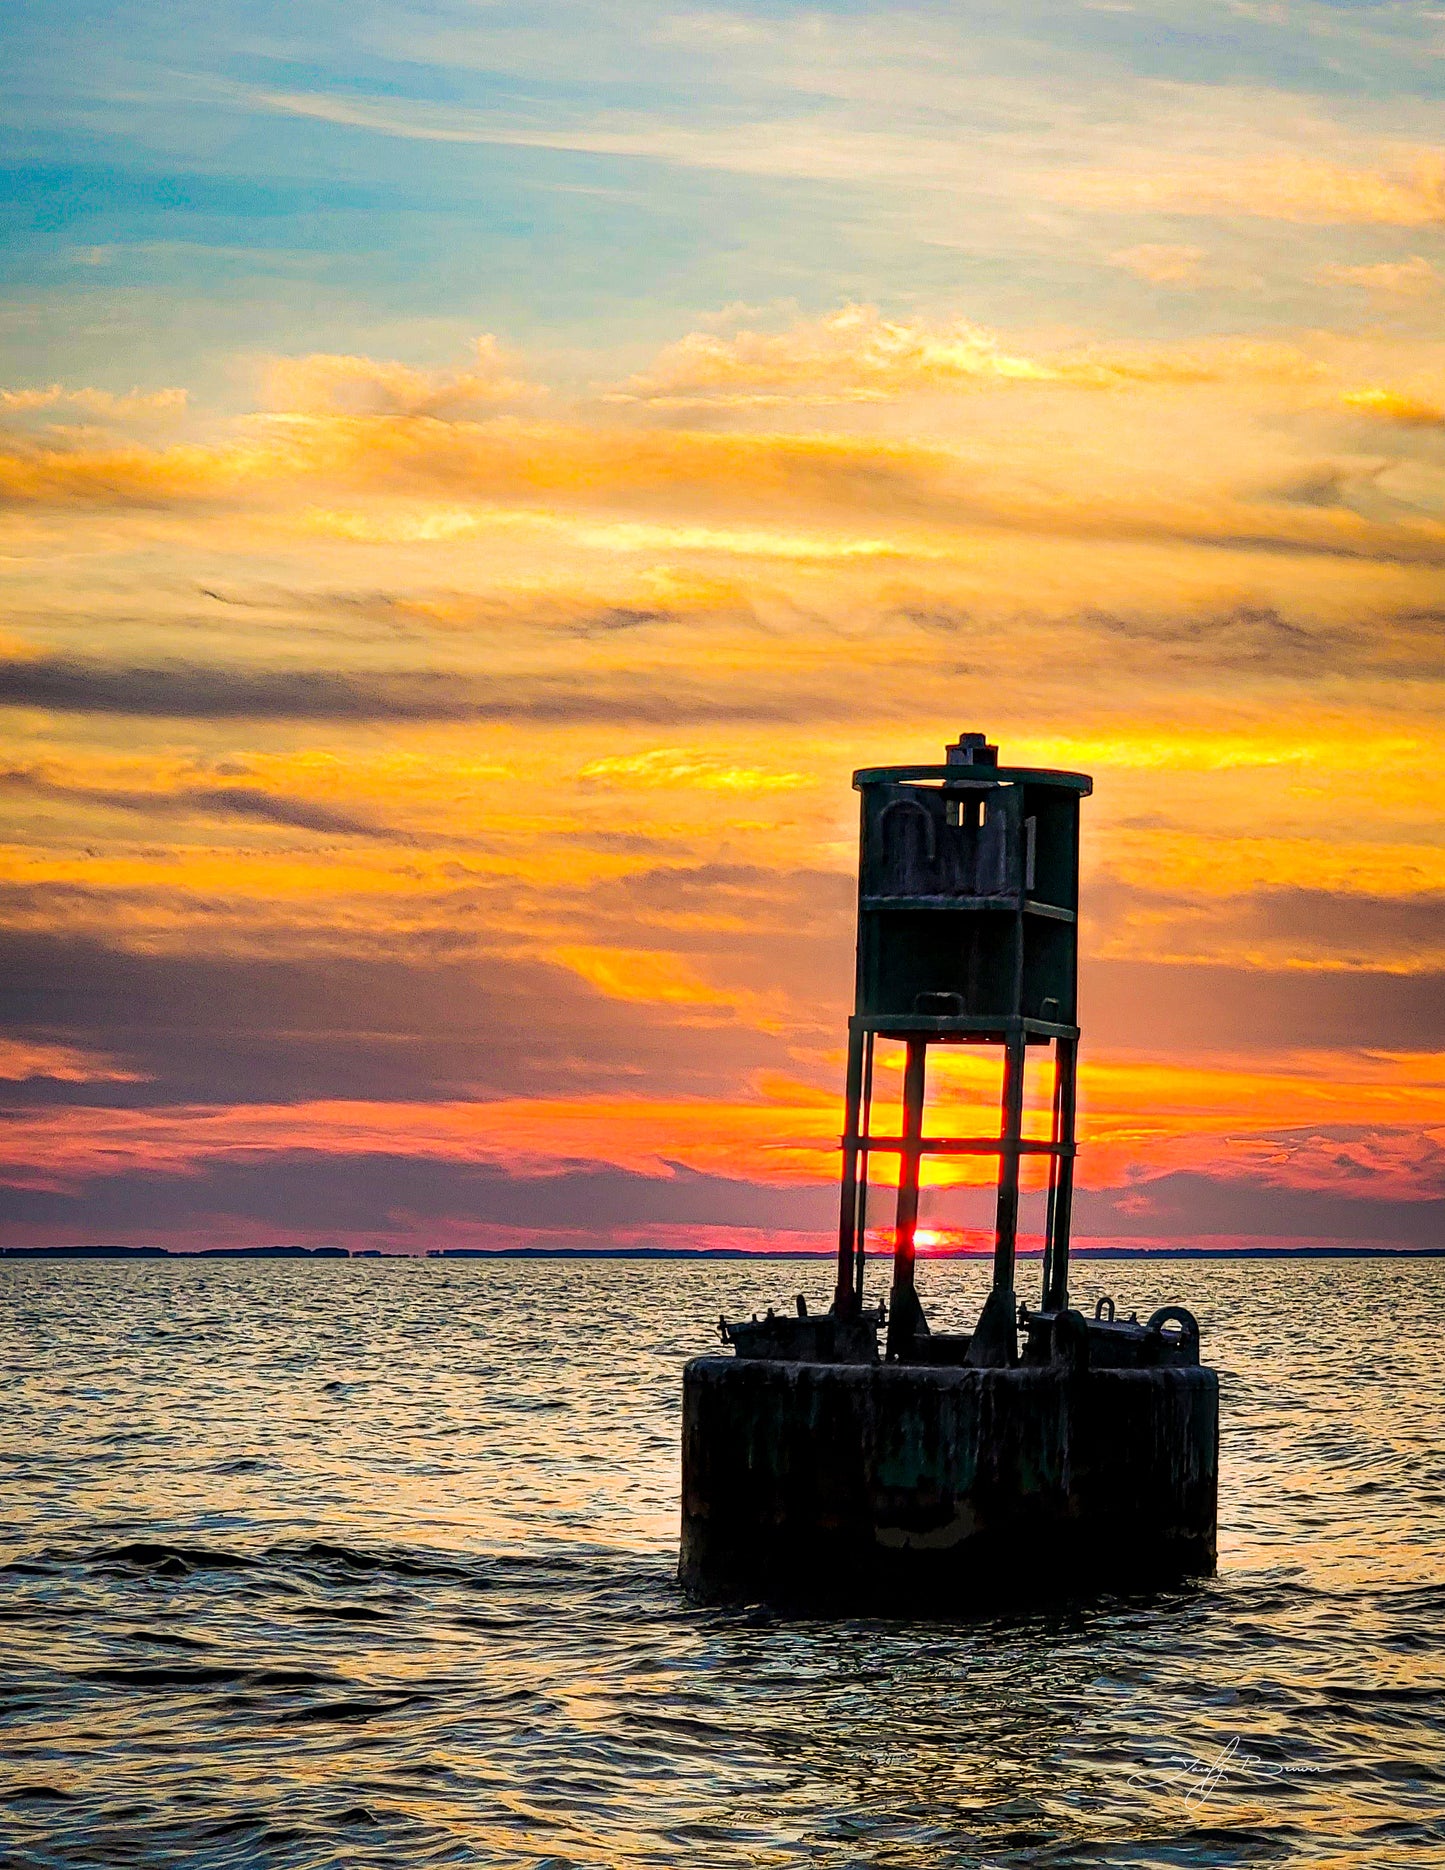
<point x="1332" y="1251"/>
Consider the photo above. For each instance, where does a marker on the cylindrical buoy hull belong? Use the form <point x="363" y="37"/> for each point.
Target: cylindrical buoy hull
<point x="892" y="1488"/>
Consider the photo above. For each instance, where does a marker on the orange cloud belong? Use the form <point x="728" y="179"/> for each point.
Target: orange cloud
<point x="1344" y="1121"/>
<point x="574" y="703"/>
<point x="23" y="1059"/>
<point x="1193" y="448"/>
<point x="554" y="479"/>
<point x="129" y="476"/>
<point x="636" y="974"/>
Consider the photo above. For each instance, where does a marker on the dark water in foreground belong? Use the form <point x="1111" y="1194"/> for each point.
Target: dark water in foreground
<point x="354" y="1564"/>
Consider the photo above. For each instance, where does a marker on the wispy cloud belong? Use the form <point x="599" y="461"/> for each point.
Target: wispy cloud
<point x="780" y="146"/>
<point x="1414" y="278"/>
<point x="1398" y="406"/>
<point x="1411" y="193"/>
<point x="22" y="1060"/>
<point x="69" y="685"/>
<point x="324" y="384"/>
<point x="1342" y="1123"/>
<point x="105" y="405"/>
<point x="618" y="481"/>
<point x="1161" y="263"/>
<point x="857" y="355"/>
<point x="216" y="801"/>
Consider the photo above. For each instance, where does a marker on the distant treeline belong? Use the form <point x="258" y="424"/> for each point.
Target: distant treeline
<point x="1337" y="1252"/>
<point x="198" y="1253"/>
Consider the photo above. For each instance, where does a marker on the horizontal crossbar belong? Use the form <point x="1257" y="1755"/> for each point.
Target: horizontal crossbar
<point x="942" y="1025"/>
<point x="1006" y="903"/>
<point x="956" y="1146"/>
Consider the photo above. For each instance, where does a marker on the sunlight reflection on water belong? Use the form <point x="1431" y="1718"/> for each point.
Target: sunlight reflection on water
<point x="371" y="1563"/>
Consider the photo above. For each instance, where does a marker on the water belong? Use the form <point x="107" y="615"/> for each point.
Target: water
<point x="370" y="1564"/>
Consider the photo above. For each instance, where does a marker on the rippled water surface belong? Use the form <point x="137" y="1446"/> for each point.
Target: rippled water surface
<point x="368" y="1563"/>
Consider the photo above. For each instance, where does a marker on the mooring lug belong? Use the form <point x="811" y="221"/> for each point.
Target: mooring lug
<point x="1187" y="1342"/>
<point x="1104" y="1311"/>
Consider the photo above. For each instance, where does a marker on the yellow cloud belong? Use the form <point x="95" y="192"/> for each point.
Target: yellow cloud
<point x="1414" y="278"/>
<point x="1161" y="265"/>
<point x="677" y="766"/>
<point x="856" y="355"/>
<point x="811" y="496"/>
<point x="852" y="355"/>
<point x="1391" y="405"/>
<point x="128" y="475"/>
<point x="105" y="405"/>
<point x="1287" y="188"/>
<point x="429" y="523"/>
<point x="327" y="384"/>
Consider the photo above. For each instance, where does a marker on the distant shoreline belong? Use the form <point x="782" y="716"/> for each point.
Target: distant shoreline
<point x="1339" y="1252"/>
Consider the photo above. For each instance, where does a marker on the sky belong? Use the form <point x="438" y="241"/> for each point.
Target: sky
<point x="476" y="480"/>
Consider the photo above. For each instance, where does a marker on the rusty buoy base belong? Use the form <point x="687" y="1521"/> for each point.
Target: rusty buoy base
<point x="896" y="1489"/>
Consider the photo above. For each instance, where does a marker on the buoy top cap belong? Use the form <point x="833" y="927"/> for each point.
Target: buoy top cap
<point x="971" y="750"/>
<point x="970" y="754"/>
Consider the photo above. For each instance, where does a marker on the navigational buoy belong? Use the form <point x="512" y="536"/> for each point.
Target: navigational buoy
<point x="855" y="1457"/>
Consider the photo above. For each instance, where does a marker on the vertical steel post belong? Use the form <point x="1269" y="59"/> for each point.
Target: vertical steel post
<point x="1051" y="1212"/>
<point x="903" y="1300"/>
<point x="1057" y="1296"/>
<point x="1012" y="1118"/>
<point x="848" y="1208"/>
<point x="860" y="1238"/>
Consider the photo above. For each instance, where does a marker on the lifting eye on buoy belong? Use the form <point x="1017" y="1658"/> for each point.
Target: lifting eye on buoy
<point x="1187" y="1337"/>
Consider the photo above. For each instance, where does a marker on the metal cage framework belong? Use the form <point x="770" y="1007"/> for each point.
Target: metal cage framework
<point x="968" y="894"/>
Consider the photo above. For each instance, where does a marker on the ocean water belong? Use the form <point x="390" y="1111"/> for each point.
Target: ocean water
<point x="370" y="1563"/>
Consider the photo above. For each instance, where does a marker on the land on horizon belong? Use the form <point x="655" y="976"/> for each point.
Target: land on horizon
<point x="1336" y="1251"/>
